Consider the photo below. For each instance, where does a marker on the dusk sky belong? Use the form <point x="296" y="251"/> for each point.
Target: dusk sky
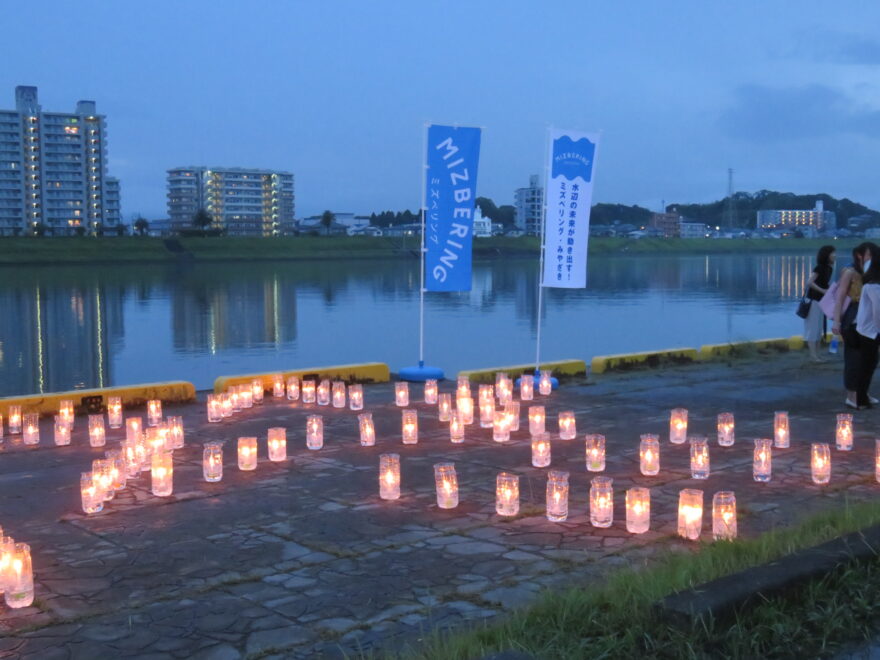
<point x="788" y="94"/>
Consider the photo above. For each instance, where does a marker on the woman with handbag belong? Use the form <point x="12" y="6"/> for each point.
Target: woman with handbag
<point x="817" y="286"/>
<point x="846" y="306"/>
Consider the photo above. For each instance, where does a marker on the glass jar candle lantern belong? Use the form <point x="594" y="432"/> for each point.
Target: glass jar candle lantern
<point x="31" y="429"/>
<point x="162" y="474"/>
<point x="14" y="413"/>
<point x="62" y="431"/>
<point x="567" y="425"/>
<point x="649" y="454"/>
<point x="114" y="412"/>
<point x="212" y="461"/>
<point x="247" y="453"/>
<point x="338" y="394"/>
<point x="462" y="386"/>
<point x="725" y="424"/>
<point x="500" y="426"/>
<point x="154" y="412"/>
<point x="699" y="457"/>
<point x="367" y="429"/>
<point x="781" y="434"/>
<point x="323" y="393"/>
<point x="19" y="578"/>
<point x="174" y="426"/>
<point x="293" y="389"/>
<point x="308" y="391"/>
<point x="541" y="450"/>
<point x="557" y="495"/>
<point x="762" y="460"/>
<point x="356" y="397"/>
<point x="446" y="483"/>
<point x="507" y="494"/>
<point x="444" y="407"/>
<point x="595" y="452"/>
<point x="92" y="500"/>
<point x="512" y="410"/>
<point x="638" y="510"/>
<point x="410" y="427"/>
<point x="257" y="391"/>
<point x="527" y="387"/>
<point x="314" y="432"/>
<point x="401" y="395"/>
<point x="430" y="392"/>
<point x="690" y="513"/>
<point x="724" y="515"/>
<point x="278" y="390"/>
<point x="276" y="438"/>
<point x="97" y="432"/>
<point x="678" y="424"/>
<point x="465" y="405"/>
<point x="246" y="396"/>
<point x="537" y="420"/>
<point x="215" y="408"/>
<point x="65" y="411"/>
<point x="545" y="383"/>
<point x="601" y="502"/>
<point x="844" y="434"/>
<point x="820" y="463"/>
<point x="389" y="476"/>
<point x="487" y="413"/>
<point x="456" y="428"/>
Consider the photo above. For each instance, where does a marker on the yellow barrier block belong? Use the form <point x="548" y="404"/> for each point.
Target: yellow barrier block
<point x="131" y="395"/>
<point x="368" y="372"/>
<point x="559" y="368"/>
<point x="711" y="351"/>
<point x="796" y="342"/>
<point x="602" y="363"/>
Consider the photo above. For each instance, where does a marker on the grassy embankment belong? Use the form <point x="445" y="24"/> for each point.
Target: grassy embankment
<point x="616" y="619"/>
<point x="137" y="249"/>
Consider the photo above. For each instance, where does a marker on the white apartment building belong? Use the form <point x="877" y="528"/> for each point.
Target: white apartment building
<point x="529" y="204"/>
<point x="243" y="202"/>
<point x="816" y="218"/>
<point x="53" y="170"/>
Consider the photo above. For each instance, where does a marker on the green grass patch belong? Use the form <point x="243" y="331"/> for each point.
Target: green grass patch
<point x="617" y="620"/>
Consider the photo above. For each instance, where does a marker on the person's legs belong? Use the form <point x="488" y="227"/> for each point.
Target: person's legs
<point x="852" y="362"/>
<point x="868" y="351"/>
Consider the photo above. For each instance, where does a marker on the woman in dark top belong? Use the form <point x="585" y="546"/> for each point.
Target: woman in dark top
<point x="817" y="285"/>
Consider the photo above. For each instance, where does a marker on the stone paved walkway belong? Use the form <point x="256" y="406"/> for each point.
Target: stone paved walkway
<point x="302" y="559"/>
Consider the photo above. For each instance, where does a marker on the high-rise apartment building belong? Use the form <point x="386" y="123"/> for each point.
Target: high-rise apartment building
<point x="816" y="218"/>
<point x="53" y="170"/>
<point x="529" y="205"/>
<point x="243" y="202"/>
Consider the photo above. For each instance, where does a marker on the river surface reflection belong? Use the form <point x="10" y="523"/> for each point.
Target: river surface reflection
<point x="73" y="327"/>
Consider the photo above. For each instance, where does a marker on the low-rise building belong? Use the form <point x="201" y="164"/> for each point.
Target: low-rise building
<point x="667" y="223"/>
<point x="688" y="229"/>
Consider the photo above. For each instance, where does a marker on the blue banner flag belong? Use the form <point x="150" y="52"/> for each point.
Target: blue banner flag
<point x="450" y="196"/>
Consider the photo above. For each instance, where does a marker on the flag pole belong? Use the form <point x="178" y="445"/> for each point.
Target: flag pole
<point x="543" y="245"/>
<point x="421" y="373"/>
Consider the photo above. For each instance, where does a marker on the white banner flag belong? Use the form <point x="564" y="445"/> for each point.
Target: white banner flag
<point x="568" y="198"/>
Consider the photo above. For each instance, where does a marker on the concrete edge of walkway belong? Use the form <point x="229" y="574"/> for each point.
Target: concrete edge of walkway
<point x="721" y="597"/>
<point x="558" y="367"/>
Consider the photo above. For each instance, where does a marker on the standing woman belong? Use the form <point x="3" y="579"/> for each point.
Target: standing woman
<point x="850" y="286"/>
<point x="868" y="327"/>
<point x="817" y="285"/>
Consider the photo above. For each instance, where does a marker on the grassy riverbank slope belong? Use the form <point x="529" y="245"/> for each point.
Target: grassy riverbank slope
<point x="136" y="249"/>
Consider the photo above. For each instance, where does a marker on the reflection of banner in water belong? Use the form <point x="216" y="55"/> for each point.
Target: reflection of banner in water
<point x="451" y="192"/>
<point x="569" y="194"/>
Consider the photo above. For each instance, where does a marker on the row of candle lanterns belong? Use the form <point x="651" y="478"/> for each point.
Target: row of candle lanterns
<point x="601" y="500"/>
<point x="149" y="448"/>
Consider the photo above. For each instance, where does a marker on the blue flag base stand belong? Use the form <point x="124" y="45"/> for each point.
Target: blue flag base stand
<point x="554" y="383"/>
<point x="421" y="373"/>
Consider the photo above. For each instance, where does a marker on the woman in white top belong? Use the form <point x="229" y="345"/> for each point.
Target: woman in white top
<point x="868" y="326"/>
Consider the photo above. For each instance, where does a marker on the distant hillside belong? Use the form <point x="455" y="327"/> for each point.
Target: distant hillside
<point x="747" y="205"/>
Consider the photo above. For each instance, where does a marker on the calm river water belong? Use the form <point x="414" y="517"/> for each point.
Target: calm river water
<point x="73" y="327"/>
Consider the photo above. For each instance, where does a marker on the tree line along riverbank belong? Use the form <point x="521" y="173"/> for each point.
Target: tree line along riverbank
<point x="32" y="250"/>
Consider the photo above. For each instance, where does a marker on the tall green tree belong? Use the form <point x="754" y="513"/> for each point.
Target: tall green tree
<point x="141" y="226"/>
<point x="202" y="219"/>
<point x="327" y="220"/>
